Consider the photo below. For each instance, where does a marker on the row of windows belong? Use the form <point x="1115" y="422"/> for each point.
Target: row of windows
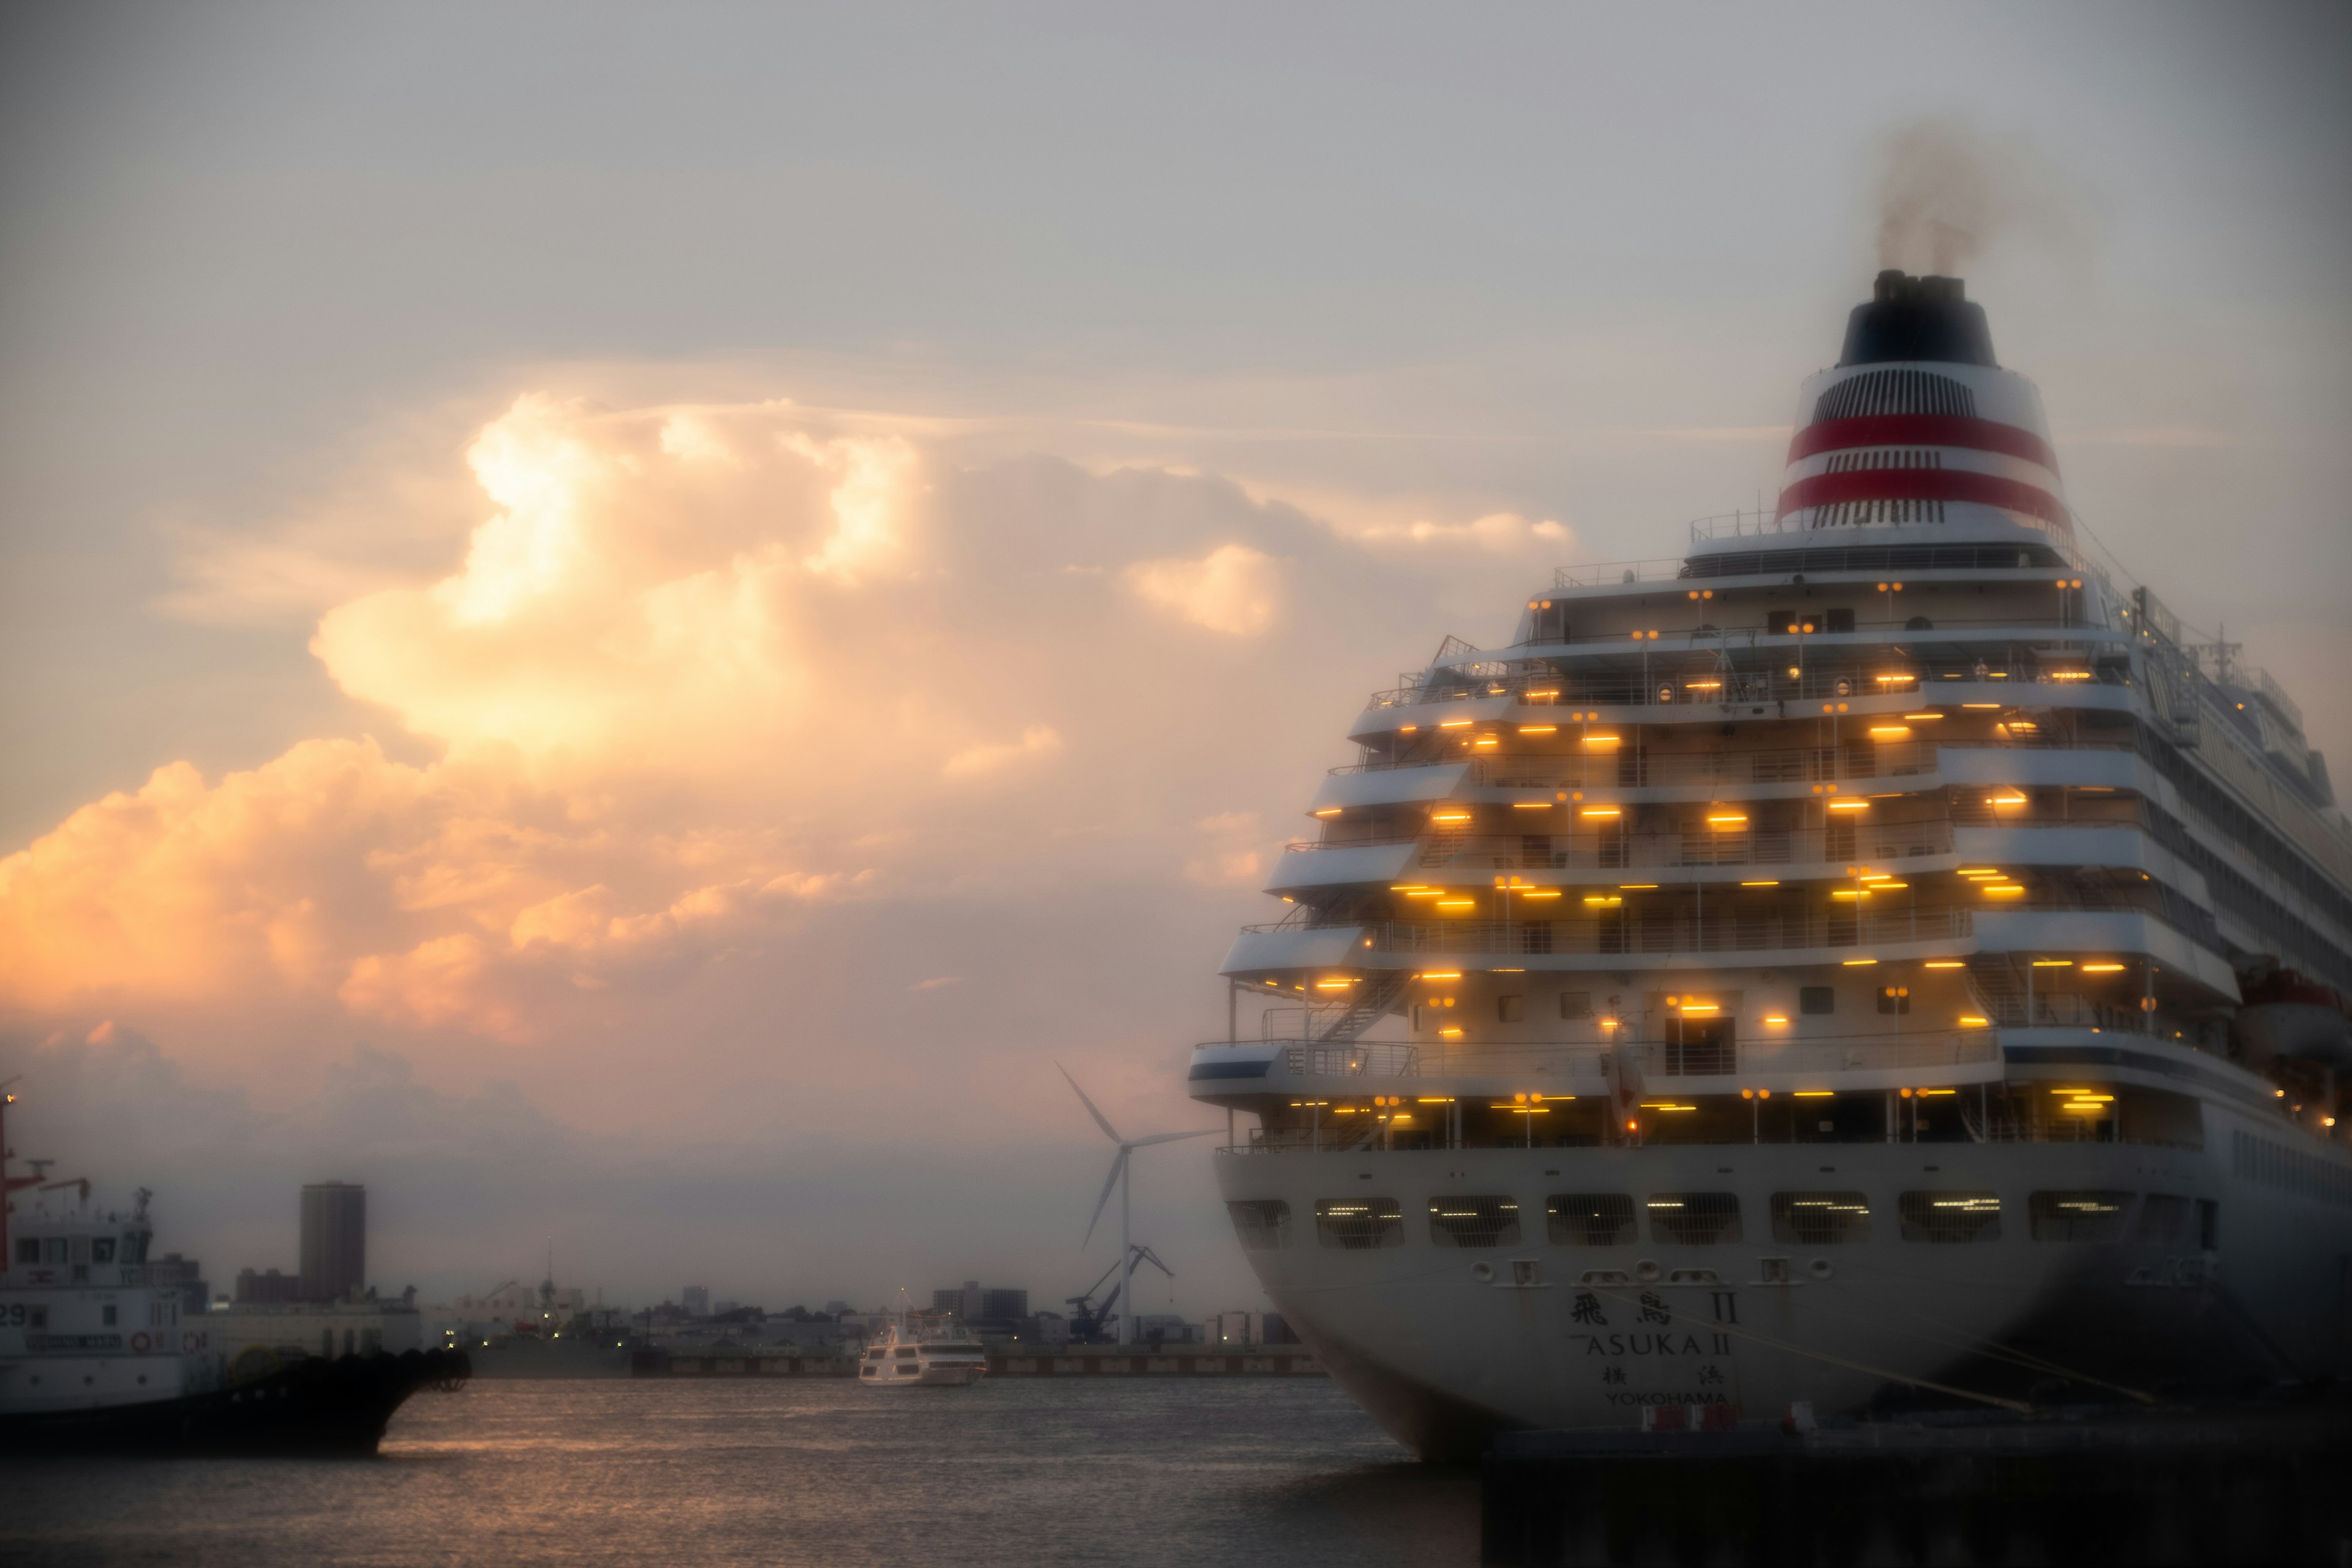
<point x="2289" y="1170"/>
<point x="1813" y="1001"/>
<point x="1848" y="462"/>
<point x="33" y="1249"/>
<point x="1879" y="392"/>
<point x="1820" y="1218"/>
<point x="1854" y="513"/>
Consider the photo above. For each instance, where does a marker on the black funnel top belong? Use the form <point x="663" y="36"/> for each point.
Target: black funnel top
<point x="1911" y="318"/>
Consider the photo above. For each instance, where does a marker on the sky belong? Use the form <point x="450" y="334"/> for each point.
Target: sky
<point x="626" y="624"/>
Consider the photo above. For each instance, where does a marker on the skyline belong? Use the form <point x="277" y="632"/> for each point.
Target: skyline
<point x="633" y="735"/>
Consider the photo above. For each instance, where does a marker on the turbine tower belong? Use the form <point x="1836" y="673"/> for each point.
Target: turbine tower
<point x="1118" y="1178"/>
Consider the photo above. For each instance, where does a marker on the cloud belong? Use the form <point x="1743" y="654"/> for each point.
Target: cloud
<point x="692" y="674"/>
<point x="1497" y="533"/>
<point x="1234" y="589"/>
<point x="974" y="762"/>
<point x="1230" y="855"/>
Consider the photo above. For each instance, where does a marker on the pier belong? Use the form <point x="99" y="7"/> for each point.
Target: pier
<point x="1068" y="1361"/>
<point x="2247" y="1484"/>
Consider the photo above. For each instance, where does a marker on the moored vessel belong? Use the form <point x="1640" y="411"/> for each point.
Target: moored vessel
<point x="96" y="1356"/>
<point x="1873" y="957"/>
<point x="922" y="1349"/>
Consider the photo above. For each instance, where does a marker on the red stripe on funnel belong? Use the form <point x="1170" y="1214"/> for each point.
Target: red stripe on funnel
<point x="1924" y="484"/>
<point x="1922" y="430"/>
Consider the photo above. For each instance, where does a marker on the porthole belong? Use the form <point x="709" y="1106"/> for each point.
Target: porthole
<point x="1483" y="1272"/>
<point x="1820" y="1269"/>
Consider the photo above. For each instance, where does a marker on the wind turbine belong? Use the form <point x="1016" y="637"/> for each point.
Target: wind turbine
<point x="1118" y="1178"/>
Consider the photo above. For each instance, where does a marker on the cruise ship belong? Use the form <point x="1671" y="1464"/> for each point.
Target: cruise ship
<point x="1876" y="959"/>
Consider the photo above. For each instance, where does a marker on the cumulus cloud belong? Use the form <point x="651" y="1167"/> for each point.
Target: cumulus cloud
<point x="1497" y="533"/>
<point x="693" y="676"/>
<point x="1234" y="589"/>
<point x="994" y="757"/>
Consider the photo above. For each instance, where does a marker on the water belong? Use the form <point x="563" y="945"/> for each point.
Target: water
<point x="1273" y="1471"/>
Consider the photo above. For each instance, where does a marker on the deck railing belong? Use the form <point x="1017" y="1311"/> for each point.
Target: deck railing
<point x="1658" y="1060"/>
<point x="1667" y="682"/>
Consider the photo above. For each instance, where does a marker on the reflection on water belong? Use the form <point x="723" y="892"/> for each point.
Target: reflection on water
<point x="1272" y="1471"/>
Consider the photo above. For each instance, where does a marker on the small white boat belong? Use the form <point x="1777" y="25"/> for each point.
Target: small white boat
<point x="914" y="1351"/>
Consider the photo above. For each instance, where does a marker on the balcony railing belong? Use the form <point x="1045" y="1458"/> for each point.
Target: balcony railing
<point x="1667" y="683"/>
<point x="1628" y="767"/>
<point x="1554" y="1061"/>
<point x="1695" y="847"/>
<point x="1736" y="931"/>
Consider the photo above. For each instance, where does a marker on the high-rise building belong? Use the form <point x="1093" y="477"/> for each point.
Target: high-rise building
<point x="696" y="1299"/>
<point x="334" y="1241"/>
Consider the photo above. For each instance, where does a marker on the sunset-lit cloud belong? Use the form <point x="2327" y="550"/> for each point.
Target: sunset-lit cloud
<point x="694" y="673"/>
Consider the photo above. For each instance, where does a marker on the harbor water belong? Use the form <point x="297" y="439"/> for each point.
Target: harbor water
<point x="815" y="1471"/>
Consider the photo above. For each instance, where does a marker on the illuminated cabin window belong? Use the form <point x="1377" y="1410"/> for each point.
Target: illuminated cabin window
<point x="1474" y="1222"/>
<point x="1576" y="1005"/>
<point x="2165" y="1220"/>
<point x="1949" y="1216"/>
<point x="1511" y="1009"/>
<point x="1694" y="1219"/>
<point x="1263" y="1224"/>
<point x="1590" y="1219"/>
<point x="2090" y="1214"/>
<point x="1359" y="1225"/>
<point x="1816" y="1000"/>
<point x="1820" y="1219"/>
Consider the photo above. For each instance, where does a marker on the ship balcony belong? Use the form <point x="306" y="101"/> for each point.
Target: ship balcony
<point x="1703" y="775"/>
<point x="2047" y="921"/>
<point x="1690" y="683"/>
<point x="1726" y="857"/>
<point x="2038" y="1085"/>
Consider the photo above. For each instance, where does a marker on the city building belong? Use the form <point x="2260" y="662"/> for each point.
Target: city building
<point x="696" y="1299"/>
<point x="334" y="1241"/>
<point x="268" y="1287"/>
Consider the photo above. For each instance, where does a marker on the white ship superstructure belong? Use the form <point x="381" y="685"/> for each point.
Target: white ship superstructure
<point x="1871" y="955"/>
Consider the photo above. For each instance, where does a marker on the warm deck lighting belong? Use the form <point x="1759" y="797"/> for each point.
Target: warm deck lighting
<point x="1530" y="805"/>
<point x="1454" y="723"/>
<point x="1598" y="812"/>
<point x="1408" y="728"/>
<point x="2053" y="963"/>
<point x="1602" y="902"/>
<point x="1860" y="962"/>
<point x="1449" y="1034"/>
<point x="1457" y="903"/>
<point x="2002" y="890"/>
<point x="1538" y="729"/>
<point x="2103" y="969"/>
<point x="1333" y="984"/>
<point x="2070" y="675"/>
<point x="1777" y="1019"/>
<point x="1994" y="705"/>
<point x="1768" y="884"/>
<point x="1727" y="819"/>
<point x="1543" y="696"/>
<point x="1700" y="1009"/>
<point x="1331" y="811"/>
<point x="1892" y="679"/>
<point x="1919" y="718"/>
<point x="1541" y="893"/>
<point x="1637" y="887"/>
<point x="1602" y="739"/>
<point x="1701" y="685"/>
<point x="1449" y="817"/>
<point x="1925" y="1092"/>
<point x="1971" y="1021"/>
<point x="1441" y="974"/>
<point x="1815" y="1093"/>
<point x="1944" y="964"/>
<point x="1849" y="805"/>
<point x="1890" y="731"/>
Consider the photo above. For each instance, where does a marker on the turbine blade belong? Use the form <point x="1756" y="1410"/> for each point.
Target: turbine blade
<point x="1101" y="1121"/>
<point x="1167" y="1137"/>
<point x="1117" y="1165"/>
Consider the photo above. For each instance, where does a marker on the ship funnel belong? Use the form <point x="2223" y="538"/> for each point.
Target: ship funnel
<point x="1915" y="319"/>
<point x="1918" y="427"/>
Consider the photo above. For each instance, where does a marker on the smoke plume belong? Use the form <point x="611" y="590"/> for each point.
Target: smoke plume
<point x="1945" y="193"/>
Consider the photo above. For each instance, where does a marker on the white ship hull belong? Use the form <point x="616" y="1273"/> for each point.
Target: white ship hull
<point x="1446" y="1345"/>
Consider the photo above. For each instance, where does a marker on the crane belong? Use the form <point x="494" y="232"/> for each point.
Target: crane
<point x="1086" y="1319"/>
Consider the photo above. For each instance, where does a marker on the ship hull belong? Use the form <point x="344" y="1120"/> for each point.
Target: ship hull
<point x="1447" y="1346"/>
<point x="312" y="1408"/>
